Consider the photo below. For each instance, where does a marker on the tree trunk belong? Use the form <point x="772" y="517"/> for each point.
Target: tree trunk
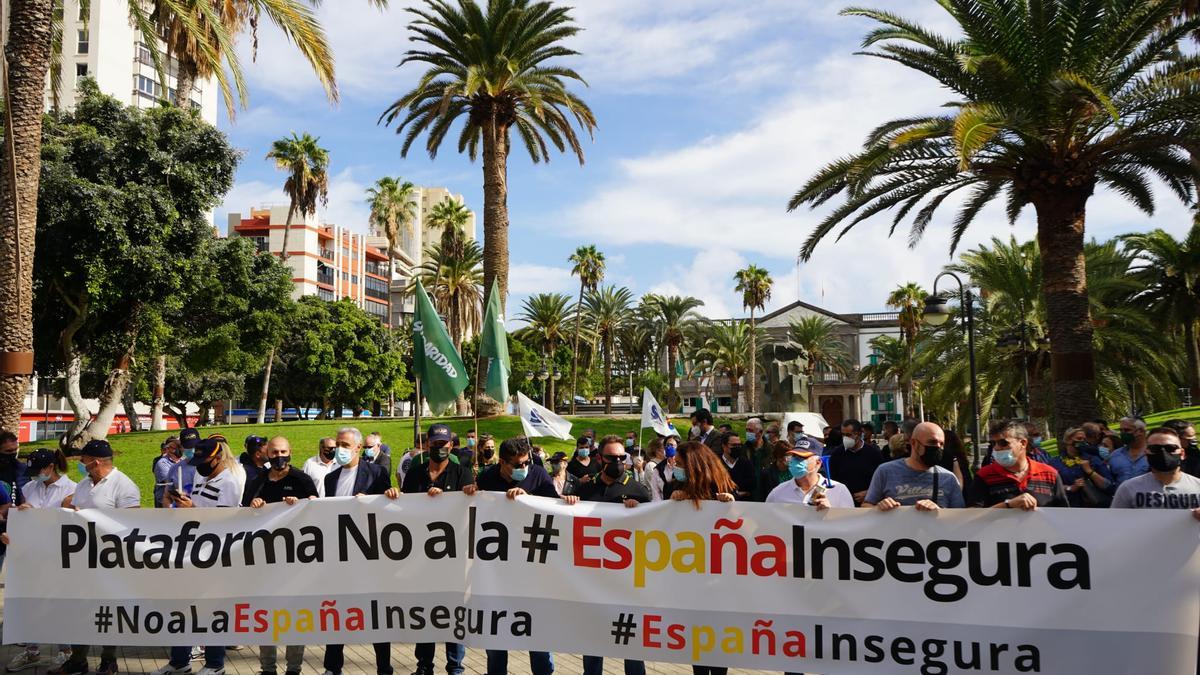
<point x="278" y="410"/>
<point x="1065" y="294"/>
<point x="74" y="398"/>
<point x="495" y="206"/>
<point x="1193" y="360"/>
<point x="110" y="398"/>
<point x="287" y="230"/>
<point x="179" y="412"/>
<point x="202" y="415"/>
<point x="262" y="401"/>
<point x="607" y="377"/>
<point x="130" y="406"/>
<point x="28" y="59"/>
<point x="751" y="379"/>
<point x="157" y="423"/>
<point x="812" y="406"/>
<point x="671" y="366"/>
<point x="575" y="350"/>
<point x="185" y="84"/>
<point x="733" y="386"/>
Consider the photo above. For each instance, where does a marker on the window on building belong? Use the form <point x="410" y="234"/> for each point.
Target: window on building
<point x="354" y="279"/>
<point x="377" y="309"/>
<point x="81" y="46"/>
<point x="345" y="252"/>
<point x="260" y="243"/>
<point x="148" y="87"/>
<point x="376" y="288"/>
<point x="325" y="294"/>
<point x="143" y="55"/>
<point x="81" y="70"/>
<point x="345" y="276"/>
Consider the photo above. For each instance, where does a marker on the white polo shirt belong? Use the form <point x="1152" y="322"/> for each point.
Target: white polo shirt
<point x="317" y="470"/>
<point x="48" y="495"/>
<point x="114" y="491"/>
<point x="788" y="492"/>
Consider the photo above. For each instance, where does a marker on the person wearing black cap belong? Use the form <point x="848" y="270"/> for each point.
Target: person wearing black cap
<point x="103" y="487"/>
<point x="254" y="459"/>
<point x="355" y="478"/>
<point x="181" y="474"/>
<point x="170" y="453"/>
<point x="434" y="477"/>
<point x="564" y="482"/>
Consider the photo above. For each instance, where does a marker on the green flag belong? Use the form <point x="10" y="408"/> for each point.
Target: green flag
<point x="493" y="348"/>
<point x="443" y="376"/>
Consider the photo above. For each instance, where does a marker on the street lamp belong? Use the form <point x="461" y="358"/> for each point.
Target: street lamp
<point x="542" y="376"/>
<point x="937" y="313"/>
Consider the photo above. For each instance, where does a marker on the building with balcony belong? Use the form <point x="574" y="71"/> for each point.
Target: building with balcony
<point x="328" y="261"/>
<point x="103" y="44"/>
<point x="783" y="386"/>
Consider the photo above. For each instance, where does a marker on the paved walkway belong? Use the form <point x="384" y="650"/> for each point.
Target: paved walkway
<point x="360" y="660"/>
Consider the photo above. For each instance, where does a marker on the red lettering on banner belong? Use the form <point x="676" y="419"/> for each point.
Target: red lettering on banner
<point x="675" y="632"/>
<point x="624" y="557"/>
<point x="650" y="631"/>
<point x="582" y="541"/>
<point x="260" y="621"/>
<point x="240" y="617"/>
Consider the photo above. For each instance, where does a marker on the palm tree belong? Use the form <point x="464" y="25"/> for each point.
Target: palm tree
<point x="892" y="358"/>
<point x="451" y="216"/>
<point x="454" y="281"/>
<point x="1053" y="99"/>
<point x="307" y="167"/>
<point x="608" y="311"/>
<point x="816" y="341"/>
<point x="491" y="67"/>
<point x="394" y="210"/>
<point x="671" y="315"/>
<point x="547" y="315"/>
<point x="1170" y="270"/>
<point x="909" y="299"/>
<point x="724" y="349"/>
<point x="588" y="265"/>
<point x="754" y="283"/>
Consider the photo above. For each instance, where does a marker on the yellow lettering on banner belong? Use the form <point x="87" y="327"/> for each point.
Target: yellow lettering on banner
<point x="704" y="638"/>
<point x="694" y="552"/>
<point x="281" y="622"/>
<point x="642" y="562"/>
<point x="734" y="641"/>
<point x="304" y="624"/>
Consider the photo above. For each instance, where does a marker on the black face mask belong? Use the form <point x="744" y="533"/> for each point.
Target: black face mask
<point x="205" y="469"/>
<point x="1086" y="448"/>
<point x="614" y="470"/>
<point x="7" y="459"/>
<point x="735" y="451"/>
<point x="439" y="454"/>
<point x="1163" y="462"/>
<point x="280" y="463"/>
<point x="488" y="453"/>
<point x="327" y="455"/>
<point x="1192" y="449"/>
<point x="932" y="456"/>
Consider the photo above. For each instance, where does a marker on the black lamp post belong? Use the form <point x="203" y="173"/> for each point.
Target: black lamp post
<point x="937" y="313"/>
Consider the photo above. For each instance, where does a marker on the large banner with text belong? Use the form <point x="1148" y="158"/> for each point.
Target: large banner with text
<point x="764" y="586"/>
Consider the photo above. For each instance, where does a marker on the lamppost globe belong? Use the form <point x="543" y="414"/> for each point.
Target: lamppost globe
<point x="543" y="374"/>
<point x="937" y="310"/>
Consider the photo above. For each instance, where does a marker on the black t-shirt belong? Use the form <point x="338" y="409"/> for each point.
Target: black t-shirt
<point x="854" y="469"/>
<point x="579" y="469"/>
<point x="626" y="487"/>
<point x="451" y="479"/>
<point x="295" y="483"/>
<point x="537" y="482"/>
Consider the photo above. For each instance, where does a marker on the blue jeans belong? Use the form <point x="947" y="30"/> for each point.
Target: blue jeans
<point x="425" y="651"/>
<point x="594" y="665"/>
<point x="214" y="657"/>
<point x="540" y="663"/>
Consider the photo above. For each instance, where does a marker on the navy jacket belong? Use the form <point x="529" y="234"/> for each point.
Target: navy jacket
<point x="372" y="479"/>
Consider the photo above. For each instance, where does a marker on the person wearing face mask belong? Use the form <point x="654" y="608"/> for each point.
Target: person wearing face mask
<point x="434" y="477"/>
<point x="1129" y="461"/>
<point x="487" y="453"/>
<point x="170" y="454"/>
<point x="776" y="472"/>
<point x="919" y="479"/>
<point x="377" y="452"/>
<point x="466" y="454"/>
<point x="739" y="467"/>
<point x="662" y="478"/>
<point x="1035" y="443"/>
<point x="853" y="464"/>
<point x="356" y="478"/>
<point x="1191" y="451"/>
<point x="757" y="445"/>
<point x="805" y="484"/>
<point x="414" y="454"/>
<point x="1014" y="480"/>
<point x="582" y="465"/>
<point x="706" y="433"/>
<point x="516" y="475"/>
<point x="321" y="464"/>
<point x="104" y="486"/>
<point x="1166" y="486"/>
<point x="564" y="482"/>
<point x="181" y="475"/>
<point x="254" y="458"/>
<point x="47" y="488"/>
<point x="287" y="484"/>
<point x="14" y="473"/>
<point x="1088" y="481"/>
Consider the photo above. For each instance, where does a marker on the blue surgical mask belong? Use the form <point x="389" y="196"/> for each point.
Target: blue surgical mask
<point x="678" y="474"/>
<point x="1104" y="453"/>
<point x="82" y="468"/>
<point x="584" y="452"/>
<point x="370" y="452"/>
<point x="520" y="474"/>
<point x="189" y="453"/>
<point x="1004" y="457"/>
<point x="629" y="442"/>
<point x="798" y="468"/>
<point x="797" y="436"/>
<point x="42" y="478"/>
<point x="670" y="451"/>
<point x="342" y="456"/>
<point x="1037" y="441"/>
<point x="470" y="442"/>
<point x="751" y="436"/>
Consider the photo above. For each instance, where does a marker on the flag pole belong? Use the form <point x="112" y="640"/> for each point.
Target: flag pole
<point x="417" y="415"/>
<point x="475" y="403"/>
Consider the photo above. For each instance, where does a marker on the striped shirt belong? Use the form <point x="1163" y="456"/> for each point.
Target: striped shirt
<point x="220" y="490"/>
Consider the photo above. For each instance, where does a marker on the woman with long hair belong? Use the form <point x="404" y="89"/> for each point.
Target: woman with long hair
<point x="700" y="476"/>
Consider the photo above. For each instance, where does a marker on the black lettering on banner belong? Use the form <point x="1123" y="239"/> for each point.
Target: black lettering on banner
<point x="447" y="548"/>
<point x="73" y="539"/>
<point x="875" y="566"/>
<point x="495" y="545"/>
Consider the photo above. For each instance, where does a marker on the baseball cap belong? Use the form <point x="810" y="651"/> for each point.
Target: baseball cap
<point x="97" y="448"/>
<point x="40" y="459"/>
<point x="558" y="456"/>
<point x="801" y="453"/>
<point x="254" y="442"/>
<point x="803" y="444"/>
<point x="188" y="438"/>
<point x="439" y="433"/>
<point x="204" y="450"/>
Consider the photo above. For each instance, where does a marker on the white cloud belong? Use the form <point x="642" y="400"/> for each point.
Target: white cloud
<point x="706" y="277"/>
<point x="527" y="279"/>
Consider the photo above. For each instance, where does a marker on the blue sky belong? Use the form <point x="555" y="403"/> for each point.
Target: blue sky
<point x="711" y="114"/>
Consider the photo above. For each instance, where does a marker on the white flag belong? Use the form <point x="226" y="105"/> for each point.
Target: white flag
<point x="540" y="421"/>
<point x="653" y="416"/>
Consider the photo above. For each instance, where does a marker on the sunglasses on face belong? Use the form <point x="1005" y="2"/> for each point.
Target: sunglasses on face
<point x="520" y="465"/>
<point x="613" y="458"/>
<point x="1169" y="448"/>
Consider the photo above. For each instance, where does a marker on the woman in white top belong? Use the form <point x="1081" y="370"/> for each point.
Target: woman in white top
<point x="48" y="486"/>
<point x="216" y="486"/>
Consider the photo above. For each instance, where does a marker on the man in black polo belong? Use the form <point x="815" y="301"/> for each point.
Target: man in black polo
<point x="854" y="463"/>
<point x="434" y="477"/>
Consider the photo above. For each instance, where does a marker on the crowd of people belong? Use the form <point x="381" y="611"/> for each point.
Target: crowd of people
<point x="912" y="463"/>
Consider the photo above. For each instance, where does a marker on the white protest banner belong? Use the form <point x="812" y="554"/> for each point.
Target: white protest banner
<point x="778" y="587"/>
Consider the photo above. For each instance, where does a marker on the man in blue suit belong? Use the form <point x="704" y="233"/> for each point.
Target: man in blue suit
<point x="353" y="478"/>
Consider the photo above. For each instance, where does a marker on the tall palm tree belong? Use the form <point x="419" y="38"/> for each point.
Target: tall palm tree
<point x="547" y="315"/>
<point x="892" y="359"/>
<point x="454" y="280"/>
<point x="307" y="183"/>
<point x="587" y="264"/>
<point x="725" y="350"/>
<point x="816" y="341"/>
<point x="1053" y="99"/>
<point x="909" y="299"/>
<point x="754" y="283"/>
<point x="394" y="211"/>
<point x="1170" y="270"/>
<point x="608" y="311"/>
<point x="492" y="67"/>
<point x="672" y="314"/>
<point x="451" y="216"/>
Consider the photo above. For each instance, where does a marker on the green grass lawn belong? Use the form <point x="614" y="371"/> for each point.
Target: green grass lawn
<point x="135" y="452"/>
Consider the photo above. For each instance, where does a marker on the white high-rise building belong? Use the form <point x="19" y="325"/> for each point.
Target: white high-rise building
<point x="106" y="46"/>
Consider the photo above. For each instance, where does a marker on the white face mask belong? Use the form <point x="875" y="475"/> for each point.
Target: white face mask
<point x="848" y="442"/>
